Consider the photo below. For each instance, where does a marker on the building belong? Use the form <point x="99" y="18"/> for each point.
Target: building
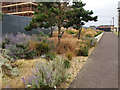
<point x="19" y="8"/>
<point x="106" y="28"/>
<point x="93" y="27"/>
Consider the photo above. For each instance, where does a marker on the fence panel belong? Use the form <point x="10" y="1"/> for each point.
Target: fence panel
<point x="14" y="24"/>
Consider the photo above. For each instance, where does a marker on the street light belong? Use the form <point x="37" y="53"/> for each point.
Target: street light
<point x="113" y="21"/>
<point x="110" y="22"/>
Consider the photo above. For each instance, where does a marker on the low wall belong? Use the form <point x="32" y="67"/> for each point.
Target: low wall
<point x="99" y="37"/>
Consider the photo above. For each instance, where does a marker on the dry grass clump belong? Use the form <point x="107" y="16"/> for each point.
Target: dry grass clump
<point x="72" y="29"/>
<point x="91" y="30"/>
<point x="66" y="35"/>
<point x="69" y="55"/>
<point x="55" y="34"/>
<point x="54" y="39"/>
<point x="32" y="45"/>
<point x="88" y="32"/>
<point x="70" y="43"/>
<point x="66" y="44"/>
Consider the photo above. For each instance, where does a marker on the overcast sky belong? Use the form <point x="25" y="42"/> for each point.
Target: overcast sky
<point x="104" y="9"/>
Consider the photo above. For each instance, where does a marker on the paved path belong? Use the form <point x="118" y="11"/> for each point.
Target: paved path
<point x="101" y="69"/>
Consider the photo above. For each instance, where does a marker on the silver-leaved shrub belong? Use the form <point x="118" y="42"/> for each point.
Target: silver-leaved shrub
<point x="47" y="74"/>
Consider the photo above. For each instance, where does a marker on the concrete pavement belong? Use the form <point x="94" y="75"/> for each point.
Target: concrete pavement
<point x="101" y="69"/>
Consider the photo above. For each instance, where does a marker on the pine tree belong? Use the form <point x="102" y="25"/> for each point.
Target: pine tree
<point x="43" y="17"/>
<point x="49" y="14"/>
<point x="77" y="16"/>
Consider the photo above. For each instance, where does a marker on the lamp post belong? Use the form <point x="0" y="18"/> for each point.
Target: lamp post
<point x="110" y="22"/>
<point x="113" y="21"/>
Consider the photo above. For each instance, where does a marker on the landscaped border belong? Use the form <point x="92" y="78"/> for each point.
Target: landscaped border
<point x="79" y="64"/>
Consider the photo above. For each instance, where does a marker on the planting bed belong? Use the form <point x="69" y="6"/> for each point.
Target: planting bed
<point x="40" y="63"/>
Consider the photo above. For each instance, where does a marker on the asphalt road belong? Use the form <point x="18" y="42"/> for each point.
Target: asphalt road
<point x="101" y="69"/>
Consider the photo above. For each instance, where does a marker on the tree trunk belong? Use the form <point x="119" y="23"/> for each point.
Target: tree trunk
<point x="59" y="33"/>
<point x="79" y="33"/>
<point x="51" y="35"/>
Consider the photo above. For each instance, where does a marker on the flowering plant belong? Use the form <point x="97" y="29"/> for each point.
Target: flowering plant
<point x="18" y="46"/>
<point x="47" y="74"/>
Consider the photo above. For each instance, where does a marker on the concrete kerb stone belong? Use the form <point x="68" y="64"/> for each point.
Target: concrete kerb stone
<point x="0" y="74"/>
<point x="99" y="37"/>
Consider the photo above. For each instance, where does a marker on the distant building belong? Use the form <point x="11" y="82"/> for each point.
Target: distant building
<point x="19" y="8"/>
<point x="93" y="27"/>
<point x="85" y="27"/>
<point x="106" y="28"/>
<point x="114" y="29"/>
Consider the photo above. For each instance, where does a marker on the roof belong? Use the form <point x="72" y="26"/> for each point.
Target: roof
<point x="105" y="26"/>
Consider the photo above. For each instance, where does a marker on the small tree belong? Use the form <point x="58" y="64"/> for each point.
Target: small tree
<point x="43" y="17"/>
<point x="49" y="14"/>
<point x="59" y="10"/>
<point x="77" y="16"/>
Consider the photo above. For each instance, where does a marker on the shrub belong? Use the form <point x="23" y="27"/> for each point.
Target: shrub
<point x="47" y="74"/>
<point x="5" y="41"/>
<point x="90" y="42"/>
<point x="69" y="55"/>
<point x="42" y="48"/>
<point x="93" y="42"/>
<point x="66" y="64"/>
<point x="24" y="46"/>
<point x="50" y="55"/>
<point x="6" y="64"/>
<point x="31" y="26"/>
<point x="14" y="72"/>
<point x="41" y="33"/>
<point x="27" y="28"/>
<point x="4" y="57"/>
<point x="98" y="33"/>
<point x="48" y="41"/>
<point x="20" y="51"/>
<point x="82" y="51"/>
<point x="87" y="43"/>
<point x="32" y="45"/>
<point x="18" y="46"/>
<point x="70" y="32"/>
<point x="88" y="35"/>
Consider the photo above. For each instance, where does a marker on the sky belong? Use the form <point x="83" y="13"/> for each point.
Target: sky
<point x="104" y="9"/>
